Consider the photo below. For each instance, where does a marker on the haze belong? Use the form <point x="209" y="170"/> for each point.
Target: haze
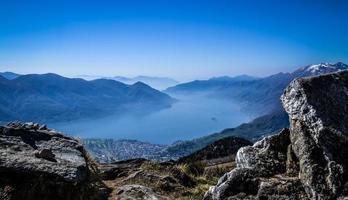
<point x="193" y="116"/>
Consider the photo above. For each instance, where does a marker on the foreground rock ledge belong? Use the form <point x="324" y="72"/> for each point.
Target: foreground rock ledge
<point x="309" y="161"/>
<point x="40" y="163"/>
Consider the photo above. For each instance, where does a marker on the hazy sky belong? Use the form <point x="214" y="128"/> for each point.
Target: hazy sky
<point x="180" y="39"/>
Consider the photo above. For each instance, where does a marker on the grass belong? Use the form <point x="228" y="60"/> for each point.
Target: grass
<point x="194" y="169"/>
<point x="204" y="179"/>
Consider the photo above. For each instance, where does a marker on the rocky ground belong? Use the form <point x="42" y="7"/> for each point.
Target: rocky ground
<point x="185" y="179"/>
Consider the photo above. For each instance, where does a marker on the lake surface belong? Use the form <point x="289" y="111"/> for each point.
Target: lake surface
<point x="191" y="117"/>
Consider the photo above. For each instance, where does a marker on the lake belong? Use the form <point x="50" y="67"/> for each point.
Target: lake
<point x="191" y="117"/>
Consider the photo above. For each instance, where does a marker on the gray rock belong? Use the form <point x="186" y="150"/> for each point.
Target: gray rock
<point x="137" y="192"/>
<point x="40" y="163"/>
<point x="267" y="156"/>
<point x="23" y="149"/>
<point x="256" y="165"/>
<point x="318" y="110"/>
<point x="281" y="188"/>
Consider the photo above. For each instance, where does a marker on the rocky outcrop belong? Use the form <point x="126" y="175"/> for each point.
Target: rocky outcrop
<point x="309" y="161"/>
<point x="318" y="110"/>
<point x="261" y="169"/>
<point x="40" y="163"/>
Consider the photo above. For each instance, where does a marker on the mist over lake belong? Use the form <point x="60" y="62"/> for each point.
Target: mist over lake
<point x="191" y="117"/>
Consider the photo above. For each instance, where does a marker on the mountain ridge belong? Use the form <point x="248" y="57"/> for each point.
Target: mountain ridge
<point x="51" y="97"/>
<point x="159" y="83"/>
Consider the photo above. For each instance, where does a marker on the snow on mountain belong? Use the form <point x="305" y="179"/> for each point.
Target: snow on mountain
<point x="322" y="68"/>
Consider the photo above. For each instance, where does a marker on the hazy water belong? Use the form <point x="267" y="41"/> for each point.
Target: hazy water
<point x="191" y="117"/>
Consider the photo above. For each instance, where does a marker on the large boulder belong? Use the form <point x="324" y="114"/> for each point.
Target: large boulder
<point x="318" y="111"/>
<point x="308" y="162"/>
<point x="40" y="163"/>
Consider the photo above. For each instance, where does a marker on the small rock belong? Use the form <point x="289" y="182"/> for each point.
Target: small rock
<point x="137" y="192"/>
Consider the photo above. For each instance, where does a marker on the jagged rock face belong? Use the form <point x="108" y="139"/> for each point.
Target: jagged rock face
<point x="40" y="163"/>
<point x="307" y="162"/>
<point x="318" y="110"/>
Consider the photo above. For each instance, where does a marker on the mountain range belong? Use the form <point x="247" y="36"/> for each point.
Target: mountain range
<point x="50" y="97"/>
<point x="160" y="83"/>
<point x="54" y="98"/>
<point x="258" y="95"/>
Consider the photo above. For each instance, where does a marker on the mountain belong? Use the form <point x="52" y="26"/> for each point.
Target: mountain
<point x="53" y="98"/>
<point x="160" y="83"/>
<point x="318" y="69"/>
<point x="242" y="77"/>
<point x="9" y="75"/>
<point x="256" y="96"/>
<point x="208" y="85"/>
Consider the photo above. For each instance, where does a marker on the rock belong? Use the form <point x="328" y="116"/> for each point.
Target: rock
<point x="239" y="180"/>
<point x="292" y="165"/>
<point x="39" y="163"/>
<point x="120" y="168"/>
<point x="137" y="192"/>
<point x="318" y="111"/>
<point x="310" y="161"/>
<point x="267" y="156"/>
<point x="256" y="167"/>
<point x="281" y="188"/>
<point x="158" y="182"/>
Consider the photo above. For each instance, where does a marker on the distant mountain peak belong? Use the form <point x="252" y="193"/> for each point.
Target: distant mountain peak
<point x="9" y="75"/>
<point x="242" y="77"/>
<point x="321" y="68"/>
<point x="158" y="83"/>
<point x="140" y="84"/>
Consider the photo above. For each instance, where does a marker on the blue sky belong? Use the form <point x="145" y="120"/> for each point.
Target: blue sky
<point x="180" y="39"/>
